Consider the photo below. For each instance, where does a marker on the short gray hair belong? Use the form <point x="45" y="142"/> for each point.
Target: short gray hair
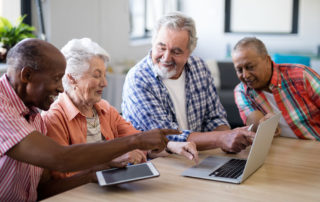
<point x="251" y="42"/>
<point x="78" y="53"/>
<point x="26" y="53"/>
<point x="178" y="21"/>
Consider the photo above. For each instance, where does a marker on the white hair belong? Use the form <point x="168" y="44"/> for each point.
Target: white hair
<point x="178" y="21"/>
<point x="78" y="53"/>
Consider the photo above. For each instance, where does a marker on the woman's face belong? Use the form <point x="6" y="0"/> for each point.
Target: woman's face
<point x="90" y="86"/>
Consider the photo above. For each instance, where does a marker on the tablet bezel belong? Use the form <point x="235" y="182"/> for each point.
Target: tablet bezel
<point x="154" y="171"/>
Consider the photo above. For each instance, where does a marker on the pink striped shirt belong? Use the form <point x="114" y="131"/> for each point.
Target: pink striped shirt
<point x="18" y="180"/>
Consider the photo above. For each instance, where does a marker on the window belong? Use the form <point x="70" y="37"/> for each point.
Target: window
<point x="144" y="13"/>
<point x="13" y="9"/>
<point x="262" y="17"/>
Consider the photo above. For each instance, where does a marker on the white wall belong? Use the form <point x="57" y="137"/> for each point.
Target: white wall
<point x="10" y="9"/>
<point x="209" y="16"/>
<point x="107" y="22"/>
<point x="104" y="21"/>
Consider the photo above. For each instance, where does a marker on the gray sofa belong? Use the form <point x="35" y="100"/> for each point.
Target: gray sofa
<point x="228" y="80"/>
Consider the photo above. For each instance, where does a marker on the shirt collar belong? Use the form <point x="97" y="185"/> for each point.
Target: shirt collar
<point x="276" y="77"/>
<point x="71" y="110"/>
<point x="19" y="104"/>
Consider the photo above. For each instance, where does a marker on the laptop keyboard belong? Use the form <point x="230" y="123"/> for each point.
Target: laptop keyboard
<point x="231" y="169"/>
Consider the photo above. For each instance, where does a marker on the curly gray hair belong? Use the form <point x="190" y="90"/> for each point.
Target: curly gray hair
<point x="178" y="21"/>
<point x="78" y="53"/>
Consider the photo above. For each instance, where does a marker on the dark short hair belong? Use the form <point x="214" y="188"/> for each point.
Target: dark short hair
<point x="25" y="53"/>
<point x="251" y="42"/>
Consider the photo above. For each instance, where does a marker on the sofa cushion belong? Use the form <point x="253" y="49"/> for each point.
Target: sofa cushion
<point x="228" y="76"/>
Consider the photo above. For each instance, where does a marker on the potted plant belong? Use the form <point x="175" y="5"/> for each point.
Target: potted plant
<point x="10" y="34"/>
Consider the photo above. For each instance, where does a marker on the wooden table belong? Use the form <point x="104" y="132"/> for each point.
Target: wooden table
<point x="291" y="173"/>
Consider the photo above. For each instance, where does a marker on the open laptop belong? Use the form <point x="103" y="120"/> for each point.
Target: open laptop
<point x="234" y="170"/>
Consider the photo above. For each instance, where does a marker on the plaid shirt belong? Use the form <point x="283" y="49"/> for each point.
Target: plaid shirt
<point x="147" y="103"/>
<point x="296" y="89"/>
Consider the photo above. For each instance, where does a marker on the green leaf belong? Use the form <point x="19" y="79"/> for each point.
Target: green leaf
<point x="10" y="35"/>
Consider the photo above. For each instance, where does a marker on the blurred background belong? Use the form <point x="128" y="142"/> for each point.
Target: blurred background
<point x="124" y="27"/>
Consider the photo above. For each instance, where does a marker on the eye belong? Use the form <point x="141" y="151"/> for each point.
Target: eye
<point x="250" y="67"/>
<point x="177" y="53"/>
<point x="239" y="70"/>
<point x="161" y="48"/>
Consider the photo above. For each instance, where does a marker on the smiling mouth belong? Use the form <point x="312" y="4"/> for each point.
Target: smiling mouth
<point x="52" y="97"/>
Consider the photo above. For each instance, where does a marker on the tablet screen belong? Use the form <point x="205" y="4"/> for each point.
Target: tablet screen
<point x="129" y="173"/>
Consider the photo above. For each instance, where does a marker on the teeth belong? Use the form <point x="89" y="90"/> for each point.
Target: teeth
<point x="52" y="97"/>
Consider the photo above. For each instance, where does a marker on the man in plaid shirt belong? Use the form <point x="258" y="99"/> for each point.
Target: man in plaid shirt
<point x="170" y="88"/>
<point x="266" y="87"/>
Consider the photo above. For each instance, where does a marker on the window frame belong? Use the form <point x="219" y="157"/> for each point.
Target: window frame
<point x="294" y="26"/>
<point x="147" y="33"/>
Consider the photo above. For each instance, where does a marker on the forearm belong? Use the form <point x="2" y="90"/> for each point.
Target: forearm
<point x="208" y="140"/>
<point x="205" y="140"/>
<point x="48" y="154"/>
<point x="55" y="186"/>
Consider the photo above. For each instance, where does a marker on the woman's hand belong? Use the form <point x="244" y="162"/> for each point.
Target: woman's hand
<point x="187" y="149"/>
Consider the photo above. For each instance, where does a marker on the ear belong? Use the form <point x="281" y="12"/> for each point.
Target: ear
<point x="26" y="74"/>
<point x="269" y="59"/>
<point x="71" y="79"/>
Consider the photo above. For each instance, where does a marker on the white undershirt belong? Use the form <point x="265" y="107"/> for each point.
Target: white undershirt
<point x="177" y="92"/>
<point x="286" y="131"/>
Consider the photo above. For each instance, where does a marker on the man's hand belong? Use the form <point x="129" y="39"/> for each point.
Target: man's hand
<point x="187" y="149"/>
<point x="155" y="139"/>
<point x="133" y="157"/>
<point x="236" y="140"/>
<point x="267" y="116"/>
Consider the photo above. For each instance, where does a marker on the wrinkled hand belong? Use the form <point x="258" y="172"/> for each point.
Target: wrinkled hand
<point x="236" y="140"/>
<point x="155" y="139"/>
<point x="187" y="149"/>
<point x="133" y="157"/>
<point x="267" y="116"/>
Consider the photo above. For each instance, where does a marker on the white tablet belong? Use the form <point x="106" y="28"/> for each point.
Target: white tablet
<point x="128" y="174"/>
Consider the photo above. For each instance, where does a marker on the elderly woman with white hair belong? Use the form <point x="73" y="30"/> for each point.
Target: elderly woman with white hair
<point x="79" y="115"/>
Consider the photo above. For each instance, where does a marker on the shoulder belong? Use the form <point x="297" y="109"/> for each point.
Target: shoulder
<point x="198" y="66"/>
<point x="198" y="72"/>
<point x="196" y="61"/>
<point x="140" y="69"/>
<point x="106" y="107"/>
<point x="292" y="69"/>
<point x="141" y="75"/>
<point x="54" y="113"/>
<point x="239" y="88"/>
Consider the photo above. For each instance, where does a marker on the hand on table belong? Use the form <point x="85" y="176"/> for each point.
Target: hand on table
<point x="187" y="149"/>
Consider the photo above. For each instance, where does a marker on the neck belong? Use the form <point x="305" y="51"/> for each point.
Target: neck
<point x="84" y="107"/>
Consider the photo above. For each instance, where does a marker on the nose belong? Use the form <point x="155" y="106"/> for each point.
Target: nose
<point x="166" y="56"/>
<point x="104" y="82"/>
<point x="245" y="74"/>
<point x="60" y="87"/>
